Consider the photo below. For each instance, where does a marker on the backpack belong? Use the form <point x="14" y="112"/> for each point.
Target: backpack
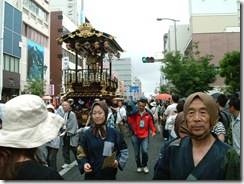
<point x="111" y="120"/>
<point x="225" y="119"/>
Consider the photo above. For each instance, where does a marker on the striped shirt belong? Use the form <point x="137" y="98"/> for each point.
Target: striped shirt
<point x="219" y="129"/>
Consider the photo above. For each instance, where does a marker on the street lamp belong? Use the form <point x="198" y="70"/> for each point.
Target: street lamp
<point x="159" y="19"/>
<point x="42" y="68"/>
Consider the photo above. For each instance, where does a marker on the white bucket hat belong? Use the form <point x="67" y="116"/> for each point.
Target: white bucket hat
<point x="27" y="123"/>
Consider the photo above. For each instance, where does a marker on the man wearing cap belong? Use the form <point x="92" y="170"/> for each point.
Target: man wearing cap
<point x="142" y="123"/>
<point x="26" y="126"/>
<point x="201" y="155"/>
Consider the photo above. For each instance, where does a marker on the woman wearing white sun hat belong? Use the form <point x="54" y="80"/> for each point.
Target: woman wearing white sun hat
<point x="26" y="125"/>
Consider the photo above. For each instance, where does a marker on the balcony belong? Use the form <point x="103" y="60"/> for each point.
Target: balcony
<point x="89" y="83"/>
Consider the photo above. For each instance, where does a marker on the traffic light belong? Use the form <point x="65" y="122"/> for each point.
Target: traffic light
<point x="148" y="59"/>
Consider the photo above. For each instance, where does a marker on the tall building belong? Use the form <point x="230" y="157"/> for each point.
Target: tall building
<point x="137" y="82"/>
<point x="61" y="58"/>
<point x="169" y="38"/>
<point x="72" y="8"/>
<point x="66" y="16"/>
<point x="35" y="44"/>
<point x="25" y="49"/>
<point x="27" y="31"/>
<point x="124" y="70"/>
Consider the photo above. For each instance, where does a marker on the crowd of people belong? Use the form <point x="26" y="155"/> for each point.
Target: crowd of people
<point x="201" y="138"/>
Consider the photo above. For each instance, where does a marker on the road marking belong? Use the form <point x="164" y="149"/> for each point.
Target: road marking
<point x="63" y="171"/>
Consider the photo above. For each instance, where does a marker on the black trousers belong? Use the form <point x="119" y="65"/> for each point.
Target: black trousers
<point x="66" y="148"/>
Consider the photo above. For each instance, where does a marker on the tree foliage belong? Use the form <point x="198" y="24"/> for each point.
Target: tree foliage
<point x="230" y="70"/>
<point x="164" y="89"/>
<point x="189" y="75"/>
<point x="35" y="87"/>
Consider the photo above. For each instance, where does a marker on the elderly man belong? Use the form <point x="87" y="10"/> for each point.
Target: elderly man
<point x="70" y="136"/>
<point x="201" y="155"/>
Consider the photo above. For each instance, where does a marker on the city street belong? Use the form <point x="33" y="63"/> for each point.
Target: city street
<point x="129" y="174"/>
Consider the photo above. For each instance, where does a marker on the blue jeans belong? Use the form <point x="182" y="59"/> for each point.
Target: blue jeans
<point x="140" y="145"/>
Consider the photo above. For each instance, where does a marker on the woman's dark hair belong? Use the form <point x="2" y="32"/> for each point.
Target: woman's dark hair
<point x="10" y="156"/>
<point x="99" y="127"/>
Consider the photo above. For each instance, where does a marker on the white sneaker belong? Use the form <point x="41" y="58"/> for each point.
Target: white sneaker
<point x="65" y="166"/>
<point x="146" y="170"/>
<point x="139" y="169"/>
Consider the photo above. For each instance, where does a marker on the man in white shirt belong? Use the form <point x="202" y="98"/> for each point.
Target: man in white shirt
<point x="169" y="110"/>
<point x="234" y="109"/>
<point x="121" y="115"/>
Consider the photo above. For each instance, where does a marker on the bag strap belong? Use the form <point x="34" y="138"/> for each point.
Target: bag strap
<point x="68" y="115"/>
<point x="119" y="112"/>
<point x="227" y="117"/>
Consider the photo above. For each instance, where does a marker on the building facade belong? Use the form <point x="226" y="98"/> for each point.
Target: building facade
<point x="72" y="8"/>
<point x="124" y="70"/>
<point x="25" y="52"/>
<point x="215" y="25"/>
<point x="61" y="58"/>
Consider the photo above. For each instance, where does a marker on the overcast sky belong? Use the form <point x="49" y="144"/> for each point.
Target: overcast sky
<point x="134" y="24"/>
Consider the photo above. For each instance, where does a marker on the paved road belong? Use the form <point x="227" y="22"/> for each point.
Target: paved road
<point x="129" y="173"/>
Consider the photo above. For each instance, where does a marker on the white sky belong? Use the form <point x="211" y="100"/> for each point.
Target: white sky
<point x="134" y="24"/>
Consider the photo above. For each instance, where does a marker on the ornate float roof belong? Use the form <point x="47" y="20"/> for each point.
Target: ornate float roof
<point x="85" y="38"/>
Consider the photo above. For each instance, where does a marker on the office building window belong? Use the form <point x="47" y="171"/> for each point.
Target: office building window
<point x="6" y="61"/>
<point x="11" y="63"/>
<point x="36" y="9"/>
<point x="34" y="35"/>
<point x="16" y="67"/>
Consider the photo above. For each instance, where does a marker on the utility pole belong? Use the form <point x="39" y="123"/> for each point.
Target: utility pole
<point x="159" y="19"/>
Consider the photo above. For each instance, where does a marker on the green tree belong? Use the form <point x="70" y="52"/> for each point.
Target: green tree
<point x="164" y="89"/>
<point x="35" y="87"/>
<point x="230" y="70"/>
<point x="189" y="75"/>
